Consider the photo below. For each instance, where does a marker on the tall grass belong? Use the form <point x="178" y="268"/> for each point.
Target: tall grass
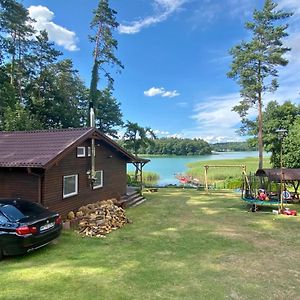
<point x="215" y="174"/>
<point x="149" y="178"/>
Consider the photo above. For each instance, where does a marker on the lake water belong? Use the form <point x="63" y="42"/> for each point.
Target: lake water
<point x="167" y="167"/>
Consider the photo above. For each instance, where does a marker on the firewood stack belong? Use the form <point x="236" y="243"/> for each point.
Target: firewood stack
<point x="100" y="218"/>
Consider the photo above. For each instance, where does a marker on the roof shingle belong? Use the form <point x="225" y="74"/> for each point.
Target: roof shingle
<point x="37" y="148"/>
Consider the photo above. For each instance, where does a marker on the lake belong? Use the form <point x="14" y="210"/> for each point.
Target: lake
<point x="167" y="167"/>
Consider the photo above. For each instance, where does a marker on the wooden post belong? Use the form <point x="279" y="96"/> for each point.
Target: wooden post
<point x="141" y="177"/>
<point x="205" y="176"/>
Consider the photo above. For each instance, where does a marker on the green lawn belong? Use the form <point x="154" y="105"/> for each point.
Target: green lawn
<point x="183" y="244"/>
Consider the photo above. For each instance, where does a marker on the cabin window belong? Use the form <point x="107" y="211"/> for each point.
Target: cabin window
<point x="70" y="186"/>
<point x="80" y="151"/>
<point x="89" y="151"/>
<point x="98" y="183"/>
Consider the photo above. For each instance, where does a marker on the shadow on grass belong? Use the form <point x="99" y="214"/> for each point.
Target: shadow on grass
<point x="182" y="245"/>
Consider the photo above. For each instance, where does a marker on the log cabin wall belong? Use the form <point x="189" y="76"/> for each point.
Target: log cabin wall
<point x="18" y="183"/>
<point x="107" y="159"/>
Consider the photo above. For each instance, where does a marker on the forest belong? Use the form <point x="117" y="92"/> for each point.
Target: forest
<point x="39" y="89"/>
<point x="233" y="146"/>
<point x="174" y="146"/>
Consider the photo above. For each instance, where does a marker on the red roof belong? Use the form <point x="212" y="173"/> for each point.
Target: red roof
<point x="39" y="148"/>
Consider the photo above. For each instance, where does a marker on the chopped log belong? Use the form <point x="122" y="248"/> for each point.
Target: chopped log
<point x="71" y="215"/>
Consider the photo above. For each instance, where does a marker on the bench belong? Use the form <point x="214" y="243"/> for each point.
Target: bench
<point x="152" y="190"/>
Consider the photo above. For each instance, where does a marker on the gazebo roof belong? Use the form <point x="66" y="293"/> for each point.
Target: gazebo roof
<point x="275" y="174"/>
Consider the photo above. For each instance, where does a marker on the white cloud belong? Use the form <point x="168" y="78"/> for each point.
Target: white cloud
<point x="215" y="120"/>
<point x="170" y="94"/>
<point x="137" y="26"/>
<point x="161" y="91"/>
<point x="158" y="132"/>
<point x="163" y="9"/>
<point x="293" y="5"/>
<point x="176" y="135"/>
<point x="153" y="92"/>
<point x="58" y="34"/>
<point x="217" y="112"/>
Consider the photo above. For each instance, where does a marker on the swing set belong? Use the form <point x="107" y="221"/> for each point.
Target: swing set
<point x="206" y="168"/>
<point x="275" y="181"/>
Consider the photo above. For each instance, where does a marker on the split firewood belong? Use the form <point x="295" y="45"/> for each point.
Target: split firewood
<point x="100" y="218"/>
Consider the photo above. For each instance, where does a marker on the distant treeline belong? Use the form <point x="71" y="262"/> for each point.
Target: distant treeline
<point x="232" y="146"/>
<point x="175" y="146"/>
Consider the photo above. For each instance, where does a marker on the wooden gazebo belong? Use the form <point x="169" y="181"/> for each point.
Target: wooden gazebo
<point x="284" y="175"/>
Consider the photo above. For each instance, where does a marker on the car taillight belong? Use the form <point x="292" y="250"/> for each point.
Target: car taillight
<point x="58" y="220"/>
<point x="23" y="230"/>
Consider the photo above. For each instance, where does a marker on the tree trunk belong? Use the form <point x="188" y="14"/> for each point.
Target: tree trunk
<point x="260" y="132"/>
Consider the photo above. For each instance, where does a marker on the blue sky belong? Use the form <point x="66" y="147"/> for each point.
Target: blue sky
<point x="175" y="54"/>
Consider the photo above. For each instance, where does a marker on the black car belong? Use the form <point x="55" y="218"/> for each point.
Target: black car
<point x="26" y="226"/>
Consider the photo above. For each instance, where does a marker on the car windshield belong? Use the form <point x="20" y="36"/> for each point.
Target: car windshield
<point x="29" y="208"/>
<point x="3" y="219"/>
<point x="16" y="210"/>
<point x="11" y="212"/>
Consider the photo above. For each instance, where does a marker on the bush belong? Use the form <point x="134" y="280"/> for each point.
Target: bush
<point x="233" y="183"/>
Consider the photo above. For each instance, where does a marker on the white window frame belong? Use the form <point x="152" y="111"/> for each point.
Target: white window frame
<point x="81" y="154"/>
<point x="76" y="186"/>
<point x="101" y="184"/>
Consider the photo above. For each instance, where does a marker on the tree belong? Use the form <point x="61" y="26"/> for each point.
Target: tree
<point x="16" y="33"/>
<point x="63" y="99"/>
<point x="36" y="91"/>
<point x="19" y="118"/>
<point x="291" y="149"/>
<point x="136" y="137"/>
<point x="176" y="146"/>
<point x="275" y="117"/>
<point x="255" y="63"/>
<point x="108" y="112"/>
<point x="103" y="23"/>
<point x="42" y="57"/>
<point x="7" y="95"/>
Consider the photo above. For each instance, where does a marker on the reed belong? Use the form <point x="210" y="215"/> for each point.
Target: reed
<point x="149" y="178"/>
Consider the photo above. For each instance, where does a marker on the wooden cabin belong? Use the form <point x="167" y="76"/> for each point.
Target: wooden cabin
<point x="53" y="167"/>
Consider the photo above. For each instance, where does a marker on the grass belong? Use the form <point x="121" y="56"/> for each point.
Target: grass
<point x="183" y="244"/>
<point x="196" y="169"/>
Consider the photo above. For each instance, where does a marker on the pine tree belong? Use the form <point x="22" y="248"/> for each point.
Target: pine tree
<point x="103" y="23"/>
<point x="16" y="33"/>
<point x="255" y="62"/>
